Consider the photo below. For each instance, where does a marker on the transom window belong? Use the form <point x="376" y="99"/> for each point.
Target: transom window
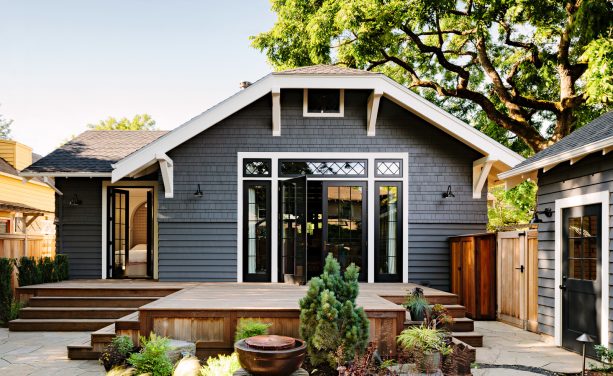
<point x="337" y="168"/>
<point x="324" y="102"/>
<point x="389" y="168"/>
<point x="256" y="167"/>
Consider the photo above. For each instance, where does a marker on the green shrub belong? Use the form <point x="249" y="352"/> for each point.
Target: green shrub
<point x="28" y="272"/>
<point x="117" y="352"/>
<point x="329" y="317"/>
<point x="222" y="365"/>
<point x="423" y="340"/>
<point x="46" y="267"/>
<point x="152" y="358"/>
<point x="248" y="328"/>
<point x="6" y="291"/>
<point x="61" y="267"/>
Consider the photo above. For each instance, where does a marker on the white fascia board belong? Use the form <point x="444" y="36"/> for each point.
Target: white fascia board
<point x="575" y="154"/>
<point x="379" y="83"/>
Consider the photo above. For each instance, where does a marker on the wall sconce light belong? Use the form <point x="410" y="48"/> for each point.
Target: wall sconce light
<point x="75" y="201"/>
<point x="535" y="218"/>
<point x="448" y="194"/>
<point x="198" y="193"/>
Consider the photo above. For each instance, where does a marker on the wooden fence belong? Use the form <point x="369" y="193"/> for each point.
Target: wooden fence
<point x="517" y="270"/>
<point x="19" y="245"/>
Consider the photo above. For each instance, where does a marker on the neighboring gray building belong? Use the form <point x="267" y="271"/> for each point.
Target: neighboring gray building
<point x="263" y="185"/>
<point x="575" y="179"/>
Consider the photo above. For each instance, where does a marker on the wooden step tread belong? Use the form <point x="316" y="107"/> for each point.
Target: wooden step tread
<point x="471" y="338"/>
<point x="91" y="301"/>
<point x="59" y="325"/>
<point x="82" y="352"/>
<point x="73" y="312"/>
<point x="106" y="330"/>
<point x="82" y="309"/>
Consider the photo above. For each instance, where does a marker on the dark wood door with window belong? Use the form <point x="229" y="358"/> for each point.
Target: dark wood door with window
<point x="581" y="275"/>
<point x="256" y="229"/>
<point x="118" y="232"/>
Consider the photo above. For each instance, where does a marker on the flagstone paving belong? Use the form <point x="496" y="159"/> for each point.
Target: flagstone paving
<point x="507" y="345"/>
<point x="43" y="353"/>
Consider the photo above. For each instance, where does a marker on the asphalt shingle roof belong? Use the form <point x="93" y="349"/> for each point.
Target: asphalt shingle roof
<point x="597" y="130"/>
<point x="94" y="151"/>
<point x="325" y="69"/>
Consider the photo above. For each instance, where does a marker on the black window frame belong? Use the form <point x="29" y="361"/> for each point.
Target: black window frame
<point x="266" y="161"/>
<point x="399" y="233"/>
<point x="249" y="277"/>
<point x="282" y="175"/>
<point x="341" y="104"/>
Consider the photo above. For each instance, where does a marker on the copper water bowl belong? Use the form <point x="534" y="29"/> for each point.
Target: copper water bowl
<point x="271" y="355"/>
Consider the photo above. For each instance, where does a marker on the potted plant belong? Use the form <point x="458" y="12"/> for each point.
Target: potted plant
<point x="426" y="346"/>
<point x="438" y="317"/>
<point x="417" y="304"/>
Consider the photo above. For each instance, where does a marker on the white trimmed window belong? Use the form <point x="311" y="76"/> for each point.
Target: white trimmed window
<point x="324" y="103"/>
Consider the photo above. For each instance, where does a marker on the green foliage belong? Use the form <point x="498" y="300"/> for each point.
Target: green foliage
<point x="61" y="267"/>
<point x="222" y="365"/>
<point x="117" y="352"/>
<point x="421" y="339"/>
<point x="329" y="317"/>
<point x="46" y="267"/>
<point x="606" y="357"/>
<point x="28" y="272"/>
<point x="138" y="122"/>
<point x="152" y="358"/>
<point x="514" y="206"/>
<point x="416" y="304"/>
<point x="249" y="328"/>
<point x="6" y="291"/>
<point x="32" y="271"/>
<point x="5" y="128"/>
<point x="499" y="65"/>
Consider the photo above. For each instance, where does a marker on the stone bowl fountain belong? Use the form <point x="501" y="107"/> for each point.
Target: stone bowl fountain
<point x="271" y="354"/>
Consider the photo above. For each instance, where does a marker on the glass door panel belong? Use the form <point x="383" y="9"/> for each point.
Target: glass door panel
<point x="293" y="231"/>
<point x="256" y="223"/>
<point x="388" y="230"/>
<point x="119" y="204"/>
<point x="344" y="223"/>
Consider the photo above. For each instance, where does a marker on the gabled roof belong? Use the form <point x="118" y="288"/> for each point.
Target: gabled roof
<point x="318" y="76"/>
<point x="7" y="168"/>
<point x="594" y="137"/>
<point x="92" y="152"/>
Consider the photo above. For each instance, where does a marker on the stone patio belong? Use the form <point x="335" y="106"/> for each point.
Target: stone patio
<point x="507" y="345"/>
<point x="43" y="354"/>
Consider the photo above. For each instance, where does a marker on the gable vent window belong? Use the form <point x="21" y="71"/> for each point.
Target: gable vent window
<point x="324" y="102"/>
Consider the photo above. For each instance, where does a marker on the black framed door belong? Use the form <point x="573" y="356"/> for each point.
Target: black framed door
<point x="581" y="275"/>
<point x="256" y="231"/>
<point x="344" y="223"/>
<point x="149" y="234"/>
<point x="293" y="232"/>
<point x="388" y="232"/>
<point x="118" y="232"/>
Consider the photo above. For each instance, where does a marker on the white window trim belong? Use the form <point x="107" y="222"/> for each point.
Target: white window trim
<point x="130" y="184"/>
<point x="581" y="200"/>
<point x="274" y="205"/>
<point x="305" y="107"/>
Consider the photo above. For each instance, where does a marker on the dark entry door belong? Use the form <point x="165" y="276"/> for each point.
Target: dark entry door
<point x="293" y="232"/>
<point x="256" y="229"/>
<point x="581" y="275"/>
<point x="149" y="233"/>
<point x="344" y="223"/>
<point x="118" y="232"/>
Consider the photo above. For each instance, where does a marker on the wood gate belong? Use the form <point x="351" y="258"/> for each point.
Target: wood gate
<point x="517" y="270"/>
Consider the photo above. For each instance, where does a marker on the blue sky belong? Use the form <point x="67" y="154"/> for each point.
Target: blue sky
<point x="64" y="64"/>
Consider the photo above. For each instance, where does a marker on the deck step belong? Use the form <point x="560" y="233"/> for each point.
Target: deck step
<point x="82" y="352"/>
<point x="58" y="325"/>
<point x="96" y="301"/>
<point x="470" y="338"/>
<point x="459" y="324"/>
<point x="73" y="312"/>
<point x="115" y="291"/>
<point x="444" y="299"/>
<point x="456" y="310"/>
<point x="102" y="337"/>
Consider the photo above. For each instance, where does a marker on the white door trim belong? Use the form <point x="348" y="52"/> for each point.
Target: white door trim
<point x="370" y="179"/>
<point x="581" y="200"/>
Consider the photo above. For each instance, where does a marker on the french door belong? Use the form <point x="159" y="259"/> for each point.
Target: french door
<point x="293" y="234"/>
<point x="256" y="230"/>
<point x="581" y="275"/>
<point x="118" y="232"/>
<point x="344" y="223"/>
<point x="388" y="232"/>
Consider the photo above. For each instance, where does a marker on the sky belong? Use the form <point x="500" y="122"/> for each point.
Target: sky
<point x="65" y="64"/>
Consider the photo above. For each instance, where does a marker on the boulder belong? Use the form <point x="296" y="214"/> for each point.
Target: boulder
<point x="178" y="349"/>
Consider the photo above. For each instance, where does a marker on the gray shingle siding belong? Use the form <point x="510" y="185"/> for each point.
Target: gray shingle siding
<point x="79" y="230"/>
<point x="592" y="174"/>
<point x="436" y="160"/>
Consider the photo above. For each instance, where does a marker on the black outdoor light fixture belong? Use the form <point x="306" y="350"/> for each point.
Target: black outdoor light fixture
<point x="448" y="194"/>
<point x="198" y="193"/>
<point x="535" y="218"/>
<point x="75" y="201"/>
<point x="584" y="339"/>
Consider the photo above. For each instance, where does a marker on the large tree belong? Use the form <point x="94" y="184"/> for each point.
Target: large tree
<point x="527" y="72"/>
<point x="5" y="128"/>
<point x="138" y="122"/>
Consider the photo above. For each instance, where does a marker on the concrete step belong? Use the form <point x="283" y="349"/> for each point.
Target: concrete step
<point x="73" y="313"/>
<point x="470" y="338"/>
<point x="82" y="352"/>
<point x="58" y="325"/>
<point x="84" y="301"/>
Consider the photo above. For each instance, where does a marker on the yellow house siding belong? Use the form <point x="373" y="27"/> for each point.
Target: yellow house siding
<point x="31" y="194"/>
<point x="7" y="151"/>
<point x="16" y="154"/>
